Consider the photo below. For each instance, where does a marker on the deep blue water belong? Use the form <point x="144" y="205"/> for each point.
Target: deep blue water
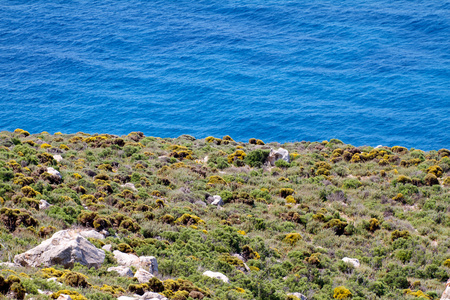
<point x="366" y="72"/>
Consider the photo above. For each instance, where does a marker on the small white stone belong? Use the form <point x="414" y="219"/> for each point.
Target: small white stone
<point x="58" y="157"/>
<point x="143" y="276"/>
<point x="52" y="171"/>
<point x="217" y="275"/>
<point x="353" y="261"/>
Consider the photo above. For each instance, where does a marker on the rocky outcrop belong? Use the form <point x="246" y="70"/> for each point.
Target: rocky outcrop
<point x="143" y="276"/>
<point x="217" y="275"/>
<point x="278" y="154"/>
<point x="353" y="261"/>
<point x="122" y="271"/>
<point x="43" y="205"/>
<point x="64" y="248"/>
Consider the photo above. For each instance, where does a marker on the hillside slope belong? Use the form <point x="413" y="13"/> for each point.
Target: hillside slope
<point x="281" y="229"/>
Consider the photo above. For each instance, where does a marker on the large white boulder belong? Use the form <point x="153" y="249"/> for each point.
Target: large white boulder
<point x="122" y="271"/>
<point x="217" y="275"/>
<point x="143" y="276"/>
<point x="353" y="261"/>
<point x="278" y="154"/>
<point x="65" y="248"/>
<point x="92" y="234"/>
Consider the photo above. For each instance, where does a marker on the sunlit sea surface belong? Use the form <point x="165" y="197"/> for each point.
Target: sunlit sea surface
<point x="366" y="72"/>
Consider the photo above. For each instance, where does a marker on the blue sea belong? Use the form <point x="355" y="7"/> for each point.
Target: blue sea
<point x="366" y="72"/>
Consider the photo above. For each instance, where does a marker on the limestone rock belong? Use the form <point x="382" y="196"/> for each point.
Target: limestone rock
<point x="149" y="262"/>
<point x="298" y="295"/>
<point x="64" y="297"/>
<point x="128" y="260"/>
<point x="52" y="171"/>
<point x="107" y="247"/>
<point x="278" y="154"/>
<point x="446" y="293"/>
<point x="153" y="296"/>
<point x="353" y="261"/>
<point x="122" y="271"/>
<point x="48" y="293"/>
<point x="143" y="276"/>
<point x="92" y="234"/>
<point x="217" y="200"/>
<point x="58" y="157"/>
<point x="43" y="204"/>
<point x="216" y="275"/>
<point x="130" y="186"/>
<point x="8" y="265"/>
<point x="200" y="203"/>
<point x="125" y="259"/>
<point x="128" y="298"/>
<point x="65" y="248"/>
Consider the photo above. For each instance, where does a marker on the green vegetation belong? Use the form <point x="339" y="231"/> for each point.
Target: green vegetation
<point x="281" y="229"/>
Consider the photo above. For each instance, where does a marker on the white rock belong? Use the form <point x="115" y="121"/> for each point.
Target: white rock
<point x="8" y="265"/>
<point x="48" y="293"/>
<point x="216" y="275"/>
<point x="149" y="262"/>
<point x="298" y="295"/>
<point x="43" y="205"/>
<point x="217" y="200"/>
<point x="92" y="234"/>
<point x="65" y="248"/>
<point x="107" y="247"/>
<point x="52" y="171"/>
<point x="58" y="157"/>
<point x="122" y="271"/>
<point x="55" y="280"/>
<point x="130" y="186"/>
<point x="153" y="296"/>
<point x="143" y="276"/>
<point x="446" y="293"/>
<point x="127" y="298"/>
<point x="246" y="267"/>
<point x="64" y="297"/>
<point x="126" y="259"/>
<point x="353" y="261"/>
<point x="278" y="154"/>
